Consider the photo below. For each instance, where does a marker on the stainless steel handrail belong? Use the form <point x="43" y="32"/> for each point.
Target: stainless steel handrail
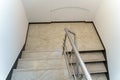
<point x="74" y="47"/>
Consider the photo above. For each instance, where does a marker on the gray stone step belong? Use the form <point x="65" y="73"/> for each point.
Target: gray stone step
<point x="38" y="51"/>
<point x="61" y="74"/>
<point x="42" y="55"/>
<point x="41" y="64"/>
<point x="99" y="77"/>
<point x="94" y="68"/>
<point x="90" y="57"/>
<point x="58" y="74"/>
<point x="42" y="51"/>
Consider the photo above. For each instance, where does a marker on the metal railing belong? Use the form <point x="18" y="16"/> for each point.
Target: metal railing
<point x="76" y="66"/>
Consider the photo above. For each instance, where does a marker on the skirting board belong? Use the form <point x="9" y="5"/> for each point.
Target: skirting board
<point x="60" y="22"/>
<point x="106" y="62"/>
<point x="15" y="65"/>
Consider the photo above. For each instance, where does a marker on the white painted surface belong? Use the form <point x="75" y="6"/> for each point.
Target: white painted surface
<point x="13" y="27"/>
<point x="60" y="10"/>
<point x="107" y="22"/>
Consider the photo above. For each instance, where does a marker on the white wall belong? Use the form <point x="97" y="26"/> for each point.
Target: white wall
<point x="60" y="10"/>
<point x="107" y="21"/>
<point x="13" y="27"/>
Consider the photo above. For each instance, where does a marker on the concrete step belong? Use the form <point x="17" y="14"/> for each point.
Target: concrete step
<point x="41" y="64"/>
<point x="99" y="77"/>
<point x="94" y="67"/>
<point x="42" y="55"/>
<point x="40" y="47"/>
<point x="42" y="51"/>
<point x="90" y="57"/>
<point x="96" y="77"/>
<point x="58" y="74"/>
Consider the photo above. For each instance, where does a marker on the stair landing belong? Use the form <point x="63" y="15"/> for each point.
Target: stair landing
<point x="49" y="37"/>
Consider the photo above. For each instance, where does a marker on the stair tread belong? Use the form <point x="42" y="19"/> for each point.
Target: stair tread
<point x="95" y="68"/>
<point x="99" y="77"/>
<point x="42" y="55"/>
<point x="58" y="74"/>
<point x="41" y="64"/>
<point x="38" y="51"/>
<point x="90" y="57"/>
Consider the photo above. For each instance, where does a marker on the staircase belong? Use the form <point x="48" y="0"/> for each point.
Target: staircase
<point x="43" y="59"/>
